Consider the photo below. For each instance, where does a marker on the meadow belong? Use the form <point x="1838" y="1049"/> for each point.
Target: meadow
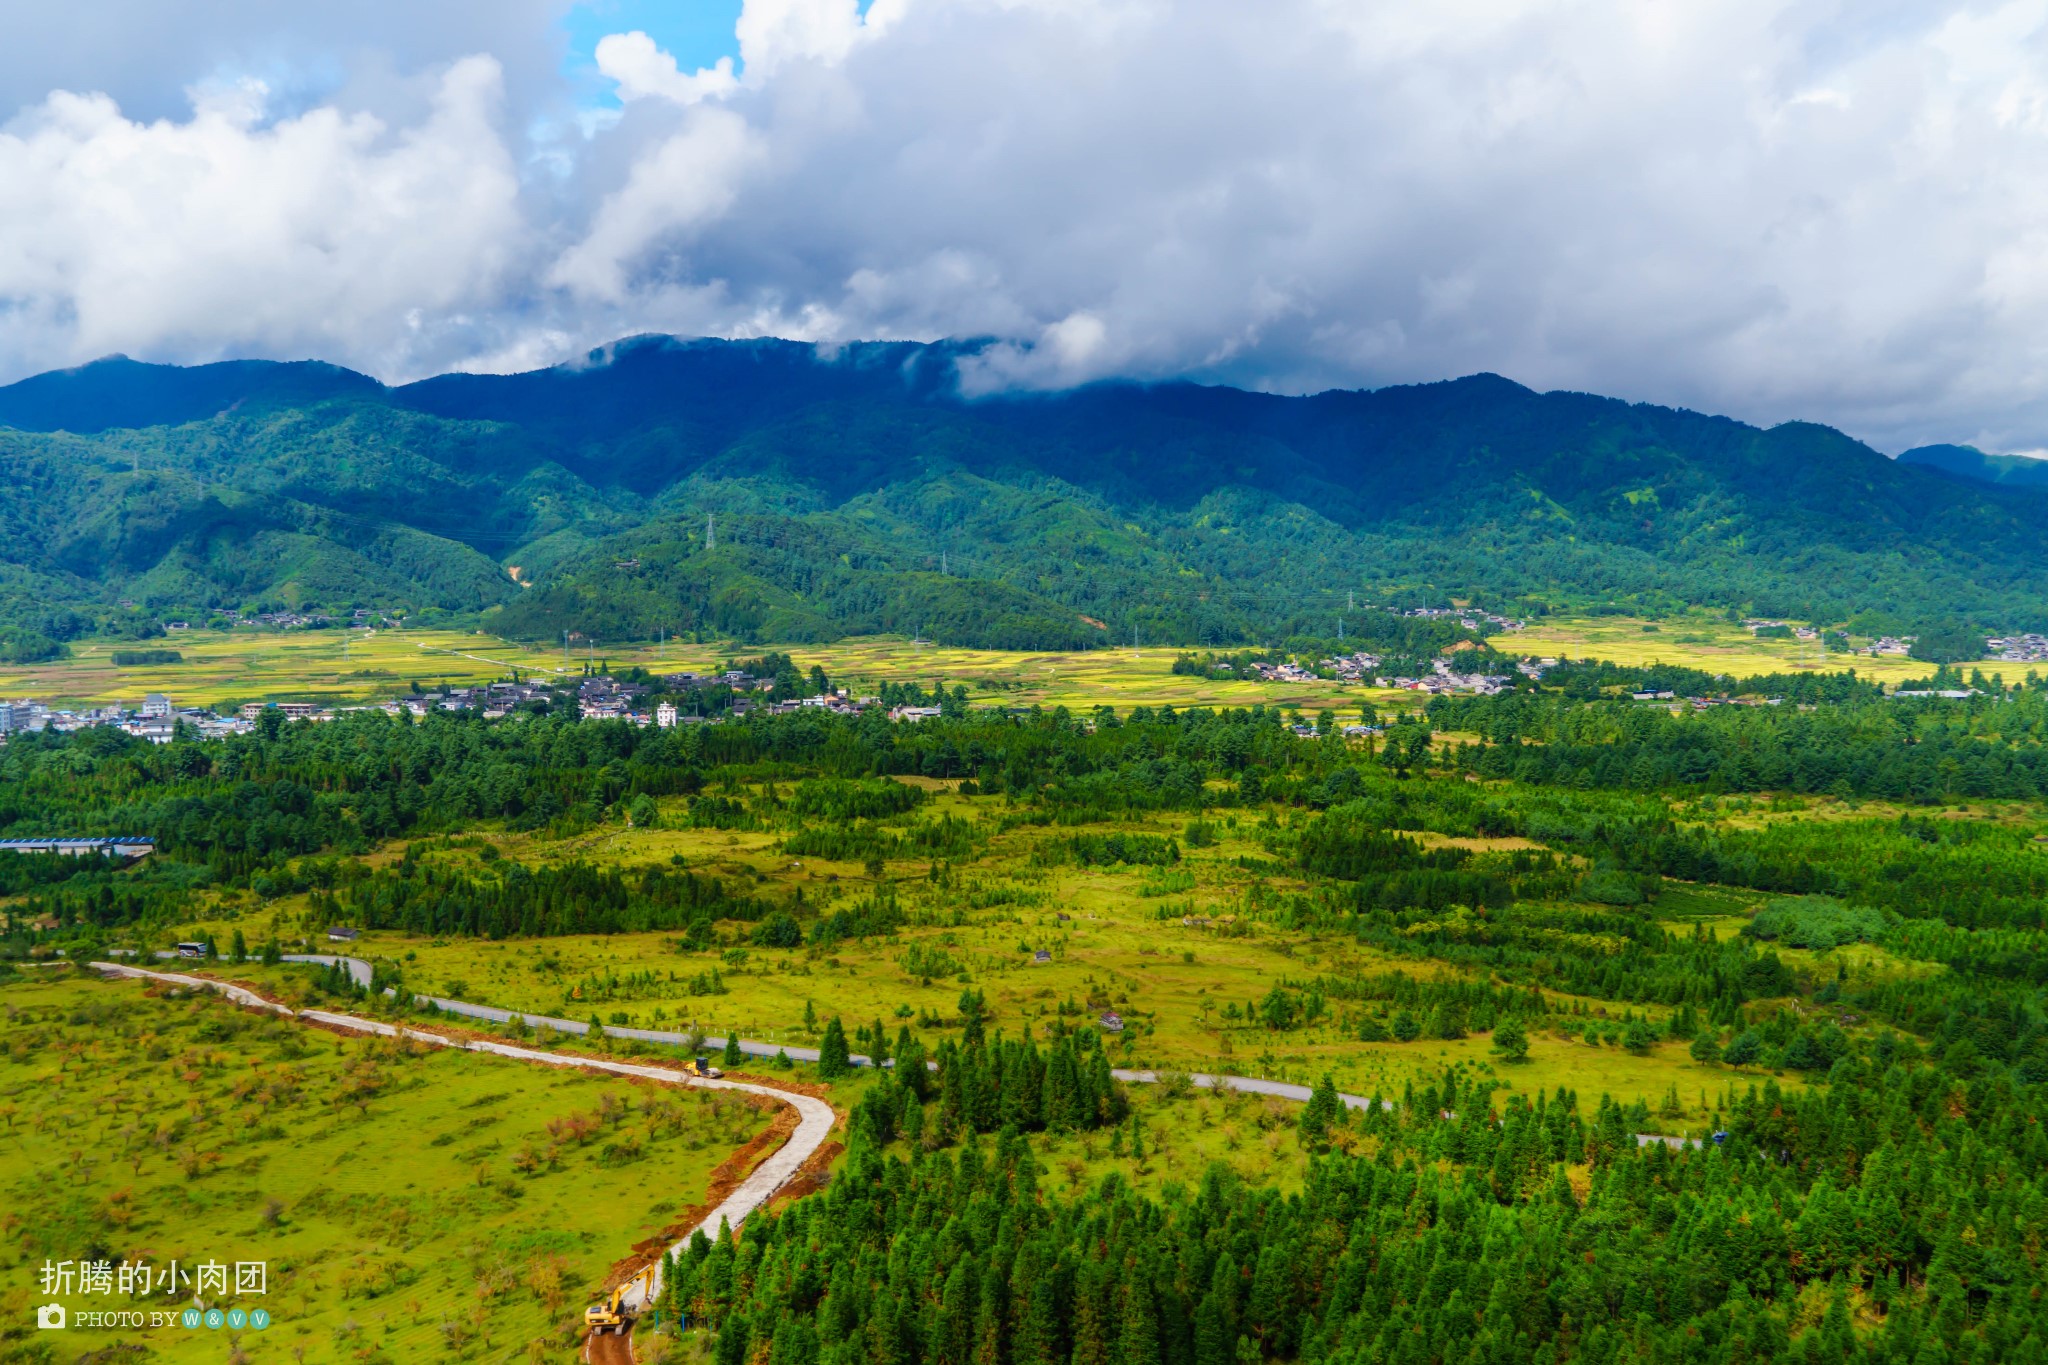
<point x="1184" y="956"/>
<point x="410" y="1203"/>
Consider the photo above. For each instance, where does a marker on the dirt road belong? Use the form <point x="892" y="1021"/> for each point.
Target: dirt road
<point x="814" y="1116"/>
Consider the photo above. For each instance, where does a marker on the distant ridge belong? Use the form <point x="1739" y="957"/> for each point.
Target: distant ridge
<point x="1968" y="462"/>
<point x="855" y="491"/>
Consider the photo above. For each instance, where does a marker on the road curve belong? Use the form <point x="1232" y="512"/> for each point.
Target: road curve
<point x="814" y="1116"/>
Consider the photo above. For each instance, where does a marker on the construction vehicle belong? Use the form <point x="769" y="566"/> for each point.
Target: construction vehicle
<point x="614" y="1314"/>
<point x="697" y="1066"/>
<point x="611" y="1315"/>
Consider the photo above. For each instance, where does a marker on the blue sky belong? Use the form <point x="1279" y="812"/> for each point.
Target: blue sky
<point x="696" y="32"/>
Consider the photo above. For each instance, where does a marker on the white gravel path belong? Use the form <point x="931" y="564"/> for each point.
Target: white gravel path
<point x="814" y="1116"/>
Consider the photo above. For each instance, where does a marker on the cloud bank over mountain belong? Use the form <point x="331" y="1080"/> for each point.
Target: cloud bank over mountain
<point x="1775" y="210"/>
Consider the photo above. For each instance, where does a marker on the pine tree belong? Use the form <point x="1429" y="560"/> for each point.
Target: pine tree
<point x="238" y="950"/>
<point x="272" y="952"/>
<point x="732" y="1056"/>
<point x="1325" y="1108"/>
<point x="832" y="1052"/>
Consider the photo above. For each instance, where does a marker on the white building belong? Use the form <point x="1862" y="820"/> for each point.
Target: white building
<point x="155" y="706"/>
<point x="665" y="715"/>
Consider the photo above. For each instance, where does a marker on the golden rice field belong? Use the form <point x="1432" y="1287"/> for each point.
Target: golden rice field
<point x="340" y="667"/>
<point x="337" y="667"/>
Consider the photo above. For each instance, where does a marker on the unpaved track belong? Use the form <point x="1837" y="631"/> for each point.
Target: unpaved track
<point x="814" y="1116"/>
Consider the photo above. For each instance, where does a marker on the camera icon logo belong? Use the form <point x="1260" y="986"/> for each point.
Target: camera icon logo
<point x="50" y="1315"/>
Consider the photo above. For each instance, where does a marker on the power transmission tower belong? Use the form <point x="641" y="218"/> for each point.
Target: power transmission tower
<point x="710" y="531"/>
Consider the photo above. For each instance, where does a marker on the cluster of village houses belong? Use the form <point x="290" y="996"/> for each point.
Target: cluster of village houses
<point x="1884" y="646"/>
<point x="360" y="618"/>
<point x="1468" y="617"/>
<point x="2019" y="649"/>
<point x="603" y="698"/>
<point x="1364" y="668"/>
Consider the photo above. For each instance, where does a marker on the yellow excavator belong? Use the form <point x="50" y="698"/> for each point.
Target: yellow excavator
<point x="614" y="1314"/>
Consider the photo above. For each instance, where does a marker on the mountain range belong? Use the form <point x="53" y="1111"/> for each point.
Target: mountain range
<point x="775" y="490"/>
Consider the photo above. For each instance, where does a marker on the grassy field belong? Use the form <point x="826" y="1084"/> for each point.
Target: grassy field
<point x="1115" y="936"/>
<point x="410" y="1203"/>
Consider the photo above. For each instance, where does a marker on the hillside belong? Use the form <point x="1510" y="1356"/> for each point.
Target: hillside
<point x="858" y="492"/>
<point x="1968" y="462"/>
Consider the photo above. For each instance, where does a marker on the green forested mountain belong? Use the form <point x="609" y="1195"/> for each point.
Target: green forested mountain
<point x="856" y="491"/>
<point x="1968" y="462"/>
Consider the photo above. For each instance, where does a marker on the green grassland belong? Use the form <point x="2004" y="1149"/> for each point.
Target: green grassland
<point x="411" y="1203"/>
<point x="1116" y="937"/>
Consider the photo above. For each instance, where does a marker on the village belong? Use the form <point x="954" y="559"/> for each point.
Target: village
<point x="160" y="720"/>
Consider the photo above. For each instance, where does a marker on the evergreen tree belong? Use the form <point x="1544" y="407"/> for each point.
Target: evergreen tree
<point x="238" y="949"/>
<point x="1511" y="1041"/>
<point x="1745" y="1050"/>
<point x="732" y="1056"/>
<point x="1324" y="1110"/>
<point x="832" y="1052"/>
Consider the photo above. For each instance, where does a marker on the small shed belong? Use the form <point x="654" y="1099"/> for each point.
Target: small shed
<point x="341" y="933"/>
<point x="1111" y="1022"/>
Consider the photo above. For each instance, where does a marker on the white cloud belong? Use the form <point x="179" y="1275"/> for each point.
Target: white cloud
<point x="1773" y="208"/>
<point x="641" y="70"/>
<point x="325" y="233"/>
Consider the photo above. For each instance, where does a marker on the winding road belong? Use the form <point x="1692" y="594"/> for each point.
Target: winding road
<point x="814" y="1116"/>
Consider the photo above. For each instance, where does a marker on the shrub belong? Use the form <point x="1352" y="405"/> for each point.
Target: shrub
<point x="1817" y="922"/>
